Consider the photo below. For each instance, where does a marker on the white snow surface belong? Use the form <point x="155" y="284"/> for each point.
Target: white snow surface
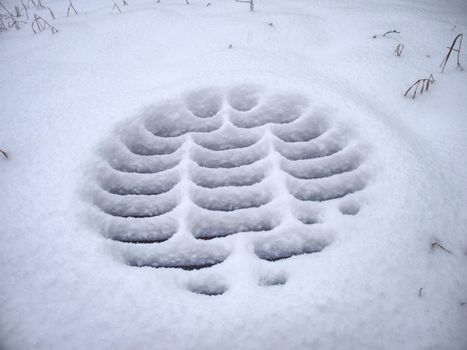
<point x="377" y="283"/>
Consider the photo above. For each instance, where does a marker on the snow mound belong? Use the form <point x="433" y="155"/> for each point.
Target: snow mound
<point x="217" y="163"/>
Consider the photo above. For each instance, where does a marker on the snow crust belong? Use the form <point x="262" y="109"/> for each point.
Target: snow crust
<point x="166" y="192"/>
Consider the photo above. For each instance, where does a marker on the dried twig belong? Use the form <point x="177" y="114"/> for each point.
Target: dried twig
<point x="388" y="32"/>
<point x="4" y="153"/>
<point x="252" y="4"/>
<point x="420" y="292"/>
<point x="7" y="11"/>
<point x="25" y="9"/>
<point x="424" y="83"/>
<point x="71" y="7"/>
<point x="39" y="5"/>
<point x="116" y="7"/>
<point x="32" y="3"/>
<point x="458" y="50"/>
<point x="436" y="244"/>
<point x="39" y="24"/>
<point x="15" y="22"/>
<point x="51" y="13"/>
<point x="391" y="31"/>
<point x="399" y="50"/>
<point x="3" y="27"/>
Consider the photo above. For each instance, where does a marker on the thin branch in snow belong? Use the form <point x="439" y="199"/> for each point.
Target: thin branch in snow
<point x="420" y="292"/>
<point x="116" y="7"/>
<point x="32" y="3"/>
<point x="7" y="11"/>
<point x="125" y="3"/>
<point x="451" y="49"/>
<point x="399" y="49"/>
<point x="4" y="153"/>
<point x="436" y="244"/>
<point x="423" y="83"/>
<point x="252" y="4"/>
<point x="39" y="5"/>
<point x="25" y="9"/>
<point x="71" y="7"/>
<point x="15" y="22"/>
<point x="51" y="13"/>
<point x="3" y="27"/>
<point x="39" y="24"/>
<point x="18" y="12"/>
<point x="388" y="32"/>
<point x="208" y="4"/>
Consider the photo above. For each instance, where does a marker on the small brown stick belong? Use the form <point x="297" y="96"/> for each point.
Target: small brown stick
<point x="4" y="153"/>
<point x="116" y="7"/>
<point x="41" y="24"/>
<point x="436" y="244"/>
<point x="399" y="50"/>
<point x="458" y="50"/>
<point x="71" y="7"/>
<point x="420" y="292"/>
<point x="424" y="83"/>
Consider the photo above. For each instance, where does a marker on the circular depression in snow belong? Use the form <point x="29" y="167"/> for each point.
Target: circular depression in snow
<point x="178" y="185"/>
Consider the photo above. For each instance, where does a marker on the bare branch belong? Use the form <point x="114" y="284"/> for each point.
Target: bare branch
<point x="4" y="153"/>
<point x="252" y="4"/>
<point x="116" y="7"/>
<point x="25" y="9"/>
<point x="39" y="24"/>
<point x="423" y="83"/>
<point x="7" y="11"/>
<point x="458" y="50"/>
<point x="388" y="32"/>
<point x="436" y="244"/>
<point x="71" y="7"/>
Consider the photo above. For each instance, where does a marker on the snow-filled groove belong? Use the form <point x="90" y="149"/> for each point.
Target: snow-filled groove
<point x="200" y="171"/>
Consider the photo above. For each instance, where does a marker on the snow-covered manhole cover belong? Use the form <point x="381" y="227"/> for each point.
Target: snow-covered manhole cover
<point x="218" y="170"/>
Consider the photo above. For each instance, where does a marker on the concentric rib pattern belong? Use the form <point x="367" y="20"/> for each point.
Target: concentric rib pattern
<point x="216" y="163"/>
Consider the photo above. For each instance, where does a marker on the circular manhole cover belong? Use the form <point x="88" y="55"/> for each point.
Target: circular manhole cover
<point x="180" y="184"/>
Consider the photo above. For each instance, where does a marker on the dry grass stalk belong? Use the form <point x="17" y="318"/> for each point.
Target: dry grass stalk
<point x="116" y="7"/>
<point x="39" y="24"/>
<point x="25" y="9"/>
<point x="399" y="50"/>
<point x="4" y="153"/>
<point x="423" y="83"/>
<point x="451" y="49"/>
<point x="71" y="7"/>
<point x="252" y="4"/>
<point x="436" y="244"/>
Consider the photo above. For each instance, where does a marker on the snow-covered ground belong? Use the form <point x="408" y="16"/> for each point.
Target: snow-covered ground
<point x="378" y="281"/>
